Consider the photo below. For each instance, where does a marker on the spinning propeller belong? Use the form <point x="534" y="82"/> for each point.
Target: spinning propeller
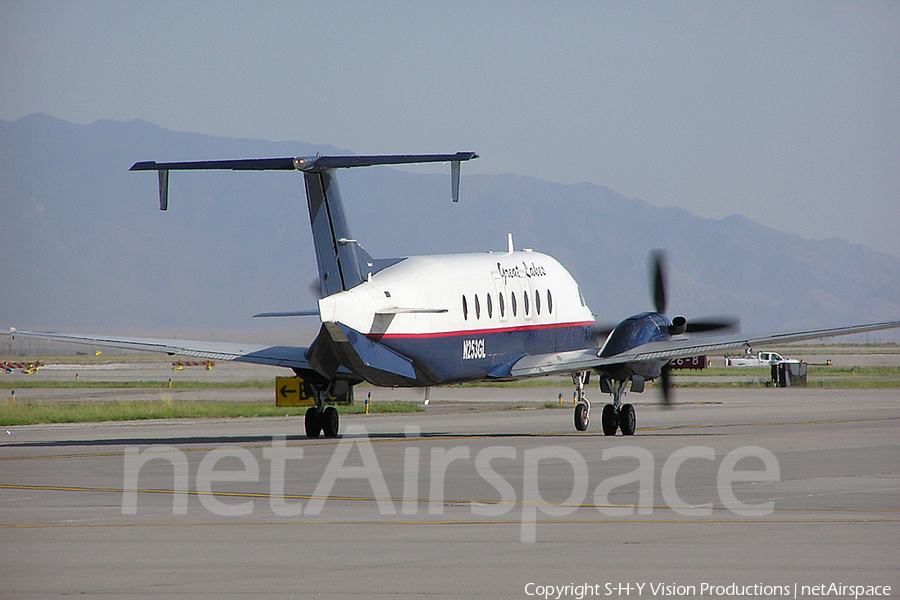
<point x="679" y="324"/>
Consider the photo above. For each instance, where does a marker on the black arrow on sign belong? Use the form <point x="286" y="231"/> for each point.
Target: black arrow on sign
<point x="284" y="391"/>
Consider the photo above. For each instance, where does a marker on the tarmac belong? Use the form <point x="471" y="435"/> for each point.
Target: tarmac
<point x="484" y="494"/>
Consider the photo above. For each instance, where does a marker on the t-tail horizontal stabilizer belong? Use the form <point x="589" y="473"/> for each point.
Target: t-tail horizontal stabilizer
<point x="307" y="164"/>
<point x="341" y="261"/>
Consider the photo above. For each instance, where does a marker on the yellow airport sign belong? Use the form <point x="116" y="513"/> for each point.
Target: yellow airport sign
<point x="289" y="391"/>
<point x="294" y="391"/>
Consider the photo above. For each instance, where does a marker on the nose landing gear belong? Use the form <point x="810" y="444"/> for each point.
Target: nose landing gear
<point x="582" y="406"/>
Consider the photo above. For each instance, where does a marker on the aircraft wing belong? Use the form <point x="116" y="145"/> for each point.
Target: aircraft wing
<point x="279" y="356"/>
<point x="585" y="360"/>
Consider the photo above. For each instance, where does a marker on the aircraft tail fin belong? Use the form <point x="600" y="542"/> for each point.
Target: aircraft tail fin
<point x="341" y="260"/>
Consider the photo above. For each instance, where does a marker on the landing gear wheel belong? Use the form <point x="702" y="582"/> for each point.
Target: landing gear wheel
<point x="582" y="417"/>
<point x="313" y="423"/>
<point x="627" y="421"/>
<point x="609" y="419"/>
<point x="330" y="422"/>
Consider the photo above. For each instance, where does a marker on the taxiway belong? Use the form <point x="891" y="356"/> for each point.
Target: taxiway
<point x="477" y="502"/>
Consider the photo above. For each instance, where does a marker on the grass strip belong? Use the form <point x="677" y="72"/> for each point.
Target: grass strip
<point x="41" y="384"/>
<point x="835" y="377"/>
<point x="828" y="383"/>
<point x="813" y="370"/>
<point x="33" y="413"/>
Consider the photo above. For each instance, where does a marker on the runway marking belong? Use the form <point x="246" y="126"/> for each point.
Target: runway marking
<point x="395" y="438"/>
<point x="440" y="437"/>
<point x="822" y="422"/>
<point x="445" y="502"/>
<point x="516" y="522"/>
<point x="185" y="450"/>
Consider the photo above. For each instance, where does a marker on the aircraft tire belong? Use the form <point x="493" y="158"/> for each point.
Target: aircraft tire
<point x="312" y="423"/>
<point x="627" y="422"/>
<point x="609" y="419"/>
<point x="330" y="422"/>
<point x="582" y="417"/>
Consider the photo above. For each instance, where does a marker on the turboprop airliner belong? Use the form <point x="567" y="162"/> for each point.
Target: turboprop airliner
<point x="425" y="321"/>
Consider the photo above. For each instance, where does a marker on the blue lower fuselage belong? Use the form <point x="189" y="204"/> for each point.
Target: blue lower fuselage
<point x="452" y="357"/>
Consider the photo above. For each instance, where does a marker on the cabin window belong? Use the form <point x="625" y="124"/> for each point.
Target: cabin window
<point x="477" y="307"/>
<point x="537" y="302"/>
<point x="512" y="299"/>
<point x="549" y="302"/>
<point x="465" y="309"/>
<point x="525" y="298"/>
<point x="502" y="305"/>
<point x="490" y="307"/>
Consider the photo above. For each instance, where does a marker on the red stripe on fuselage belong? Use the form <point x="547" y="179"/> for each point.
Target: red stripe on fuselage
<point x="470" y="332"/>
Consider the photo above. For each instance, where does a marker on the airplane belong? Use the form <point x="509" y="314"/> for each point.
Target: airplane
<point x="431" y="320"/>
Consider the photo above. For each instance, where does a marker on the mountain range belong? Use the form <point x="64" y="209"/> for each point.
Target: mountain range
<point x="83" y="246"/>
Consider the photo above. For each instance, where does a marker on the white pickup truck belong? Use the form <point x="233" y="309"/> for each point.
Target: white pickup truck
<point x="762" y="359"/>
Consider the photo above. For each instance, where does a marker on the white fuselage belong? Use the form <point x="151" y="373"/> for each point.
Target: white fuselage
<point x="464" y="316"/>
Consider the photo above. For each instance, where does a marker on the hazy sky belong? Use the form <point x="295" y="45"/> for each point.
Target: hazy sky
<point x="786" y="112"/>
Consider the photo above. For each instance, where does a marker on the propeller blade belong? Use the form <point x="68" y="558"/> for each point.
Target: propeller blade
<point x="730" y="323"/>
<point x="658" y="274"/>
<point x="665" y="380"/>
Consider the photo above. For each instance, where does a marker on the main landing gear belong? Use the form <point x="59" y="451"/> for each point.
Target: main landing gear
<point x="617" y="415"/>
<point x="614" y="416"/>
<point x="321" y="418"/>
<point x="326" y="422"/>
